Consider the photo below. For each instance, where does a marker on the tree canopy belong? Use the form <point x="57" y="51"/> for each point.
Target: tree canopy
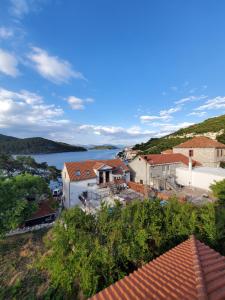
<point x="93" y="251"/>
<point x="218" y="189"/>
<point x="15" y="193"/>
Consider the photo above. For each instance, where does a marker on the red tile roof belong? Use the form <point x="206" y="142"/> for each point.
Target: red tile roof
<point x="191" y="271"/>
<point x="44" y="209"/>
<point x="201" y="142"/>
<point x="160" y="159"/>
<point x="87" y="168"/>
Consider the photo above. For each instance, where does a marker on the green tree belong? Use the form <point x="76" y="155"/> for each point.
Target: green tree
<point x="14" y="195"/>
<point x="218" y="189"/>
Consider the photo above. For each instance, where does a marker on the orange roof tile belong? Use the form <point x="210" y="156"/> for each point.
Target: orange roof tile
<point x="201" y="142"/>
<point x="191" y="270"/>
<point x="159" y="159"/>
<point x="87" y="167"/>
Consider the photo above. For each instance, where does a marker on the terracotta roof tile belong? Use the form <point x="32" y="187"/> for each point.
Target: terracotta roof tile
<point x="191" y="270"/>
<point x="87" y="167"/>
<point x="159" y="159"/>
<point x="201" y="142"/>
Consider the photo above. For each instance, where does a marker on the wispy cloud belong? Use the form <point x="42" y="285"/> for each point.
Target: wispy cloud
<point x="78" y="103"/>
<point x="190" y="99"/>
<point x="51" y="67"/>
<point x="215" y="103"/>
<point x="19" y="8"/>
<point x="174" y="88"/>
<point x="8" y="63"/>
<point x="5" y="32"/>
<point x="197" y="114"/>
<point x="116" y="132"/>
<point x="163" y="115"/>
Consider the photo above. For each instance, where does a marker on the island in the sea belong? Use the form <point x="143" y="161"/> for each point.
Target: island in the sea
<point x="34" y="145"/>
<point x="103" y="147"/>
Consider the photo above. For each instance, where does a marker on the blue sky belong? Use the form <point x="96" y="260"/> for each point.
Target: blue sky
<point x="109" y="71"/>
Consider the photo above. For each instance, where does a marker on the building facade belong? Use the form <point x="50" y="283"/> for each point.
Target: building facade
<point x="79" y="178"/>
<point x="208" y="152"/>
<point x="157" y="170"/>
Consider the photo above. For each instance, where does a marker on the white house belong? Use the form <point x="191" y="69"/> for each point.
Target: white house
<point x="79" y="178"/>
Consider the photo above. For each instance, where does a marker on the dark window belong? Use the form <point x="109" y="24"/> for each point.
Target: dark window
<point x="87" y="172"/>
<point x="141" y="181"/>
<point x="77" y="172"/>
<point x="191" y="153"/>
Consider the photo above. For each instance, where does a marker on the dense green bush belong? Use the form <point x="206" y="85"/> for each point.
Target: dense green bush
<point x="93" y="251"/>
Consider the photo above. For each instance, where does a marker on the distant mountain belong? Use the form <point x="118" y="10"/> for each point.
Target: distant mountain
<point x="35" y="145"/>
<point x="103" y="147"/>
<point x="213" y="128"/>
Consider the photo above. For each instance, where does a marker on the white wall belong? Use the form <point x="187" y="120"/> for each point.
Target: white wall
<point x="197" y="178"/>
<point x="76" y="189"/>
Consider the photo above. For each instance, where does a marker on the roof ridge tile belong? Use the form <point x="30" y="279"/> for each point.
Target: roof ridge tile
<point x="200" y="282"/>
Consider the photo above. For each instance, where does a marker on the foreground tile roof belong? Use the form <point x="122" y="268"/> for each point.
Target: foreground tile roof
<point x="87" y="168"/>
<point x="191" y="270"/>
<point x="159" y="159"/>
<point x="201" y="142"/>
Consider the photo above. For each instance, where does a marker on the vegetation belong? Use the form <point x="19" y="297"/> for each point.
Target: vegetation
<point x="90" y="252"/>
<point x="9" y="166"/>
<point x="36" y="145"/>
<point x="15" y="195"/>
<point x="218" y="189"/>
<point x="104" y="147"/>
<point x="19" y="277"/>
<point x="157" y="145"/>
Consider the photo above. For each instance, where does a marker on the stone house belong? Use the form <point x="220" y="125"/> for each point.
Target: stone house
<point x="158" y="170"/>
<point x="204" y="150"/>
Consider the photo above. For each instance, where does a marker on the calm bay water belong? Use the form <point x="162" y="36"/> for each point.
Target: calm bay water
<point x="58" y="159"/>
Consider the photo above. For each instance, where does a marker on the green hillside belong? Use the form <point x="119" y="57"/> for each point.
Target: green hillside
<point x="157" y="145"/>
<point x="36" y="145"/>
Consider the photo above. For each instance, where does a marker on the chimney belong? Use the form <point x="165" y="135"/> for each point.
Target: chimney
<point x="190" y="164"/>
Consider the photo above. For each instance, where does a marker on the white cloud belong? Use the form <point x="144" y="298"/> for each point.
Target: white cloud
<point x="25" y="114"/>
<point x="198" y="114"/>
<point x="190" y="99"/>
<point x="5" y="33"/>
<point x="26" y="111"/>
<point x="52" y="67"/>
<point x="116" y="132"/>
<point x="163" y="115"/>
<point x="215" y="103"/>
<point x="78" y="103"/>
<point x="174" y="88"/>
<point x="19" y="8"/>
<point x="8" y="63"/>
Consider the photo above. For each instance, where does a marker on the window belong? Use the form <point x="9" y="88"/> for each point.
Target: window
<point x="191" y="153"/>
<point x="77" y="172"/>
<point x="87" y="172"/>
<point x="164" y="168"/>
<point x="221" y="152"/>
<point x="141" y="181"/>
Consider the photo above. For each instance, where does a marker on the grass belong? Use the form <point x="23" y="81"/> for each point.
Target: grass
<point x="19" y="279"/>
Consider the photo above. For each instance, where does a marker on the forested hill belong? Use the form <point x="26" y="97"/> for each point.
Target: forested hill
<point x="212" y="128"/>
<point x="36" y="145"/>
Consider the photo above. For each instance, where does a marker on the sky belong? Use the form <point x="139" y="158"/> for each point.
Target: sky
<point x="109" y="71"/>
